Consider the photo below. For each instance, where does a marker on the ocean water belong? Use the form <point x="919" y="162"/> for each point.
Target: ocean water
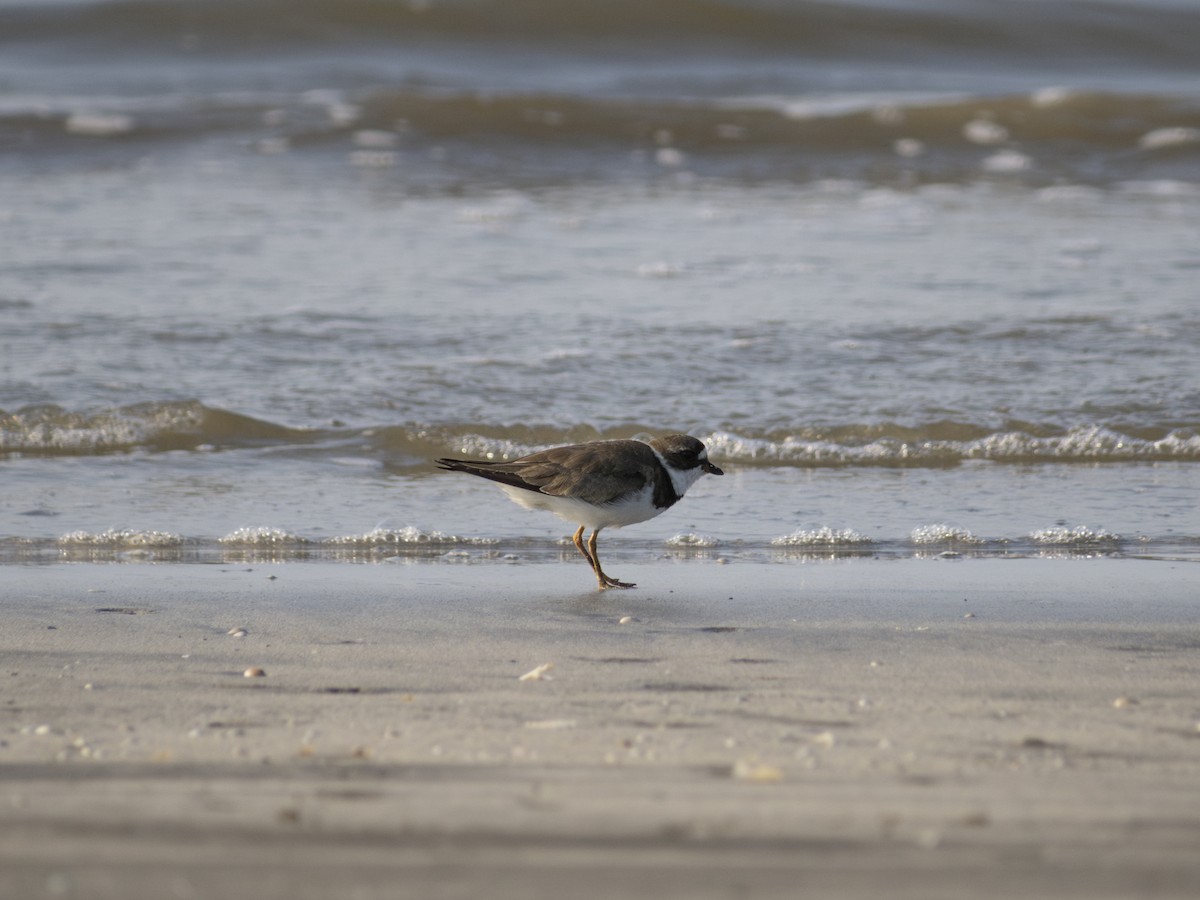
<point x="925" y="275"/>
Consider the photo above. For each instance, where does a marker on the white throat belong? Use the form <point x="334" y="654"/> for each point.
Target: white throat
<point x="681" y="479"/>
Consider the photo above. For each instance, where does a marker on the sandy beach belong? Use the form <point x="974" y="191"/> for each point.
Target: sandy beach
<point x="920" y="275"/>
<point x="906" y="728"/>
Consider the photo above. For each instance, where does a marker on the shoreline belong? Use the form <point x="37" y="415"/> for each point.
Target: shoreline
<point x="906" y="727"/>
<point x="159" y="548"/>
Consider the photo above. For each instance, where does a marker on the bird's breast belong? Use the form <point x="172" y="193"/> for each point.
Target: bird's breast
<point x="637" y="506"/>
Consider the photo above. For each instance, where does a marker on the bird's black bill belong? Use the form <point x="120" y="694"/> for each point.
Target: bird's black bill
<point x="711" y="469"/>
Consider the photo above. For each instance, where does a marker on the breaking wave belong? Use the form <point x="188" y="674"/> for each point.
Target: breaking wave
<point x="160" y="427"/>
<point x="1042" y="137"/>
<point x="1150" y="32"/>
<point x="890" y="445"/>
<point x="193" y="426"/>
<point x="765" y="91"/>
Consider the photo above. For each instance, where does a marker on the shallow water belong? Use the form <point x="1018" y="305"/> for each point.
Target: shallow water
<point x="249" y="287"/>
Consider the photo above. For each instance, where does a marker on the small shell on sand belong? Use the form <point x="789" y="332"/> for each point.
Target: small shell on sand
<point x="237" y="632"/>
<point x="1123" y="702"/>
<point x="825" y="739"/>
<point x="550" y="724"/>
<point x="255" y="672"/>
<point x="624" y="620"/>
<point x="759" y="773"/>
<point x="538" y="674"/>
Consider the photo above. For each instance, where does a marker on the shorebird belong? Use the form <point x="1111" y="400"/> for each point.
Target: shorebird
<point x="600" y="484"/>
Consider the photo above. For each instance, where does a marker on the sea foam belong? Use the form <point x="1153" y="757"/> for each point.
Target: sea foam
<point x="1079" y="535"/>
<point x="262" y="536"/>
<point x="407" y="535"/>
<point x="690" y="539"/>
<point x="821" y="537"/>
<point x="126" y="537"/>
<point x="943" y="534"/>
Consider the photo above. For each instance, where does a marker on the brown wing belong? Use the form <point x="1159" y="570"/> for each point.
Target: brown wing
<point x="583" y="471"/>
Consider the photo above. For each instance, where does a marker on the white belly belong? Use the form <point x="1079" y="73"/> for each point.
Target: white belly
<point x="635" y="508"/>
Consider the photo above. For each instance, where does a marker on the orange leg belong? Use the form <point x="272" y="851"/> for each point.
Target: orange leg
<point x="605" y="580"/>
<point x="578" y="539"/>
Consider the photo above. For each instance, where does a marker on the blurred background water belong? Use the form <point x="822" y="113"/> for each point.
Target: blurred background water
<point x="922" y="273"/>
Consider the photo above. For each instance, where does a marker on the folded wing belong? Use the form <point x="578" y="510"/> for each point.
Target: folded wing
<point x="575" y="471"/>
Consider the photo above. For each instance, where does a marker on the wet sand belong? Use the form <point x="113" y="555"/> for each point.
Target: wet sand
<point x="905" y="728"/>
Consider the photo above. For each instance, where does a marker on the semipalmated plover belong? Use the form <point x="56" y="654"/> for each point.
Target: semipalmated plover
<point x="600" y="484"/>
